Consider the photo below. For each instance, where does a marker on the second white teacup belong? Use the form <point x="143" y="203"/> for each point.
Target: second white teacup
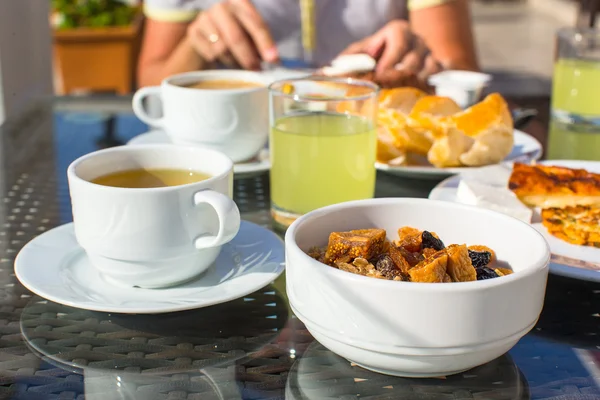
<point x="232" y="119"/>
<point x="146" y="236"/>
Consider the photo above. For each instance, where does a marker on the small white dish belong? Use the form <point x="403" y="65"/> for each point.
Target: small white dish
<point x="525" y="150"/>
<point x="350" y="63"/>
<point x="55" y="267"/>
<point x="256" y="166"/>
<point x="567" y="259"/>
<point x="416" y="329"/>
<point x="464" y="87"/>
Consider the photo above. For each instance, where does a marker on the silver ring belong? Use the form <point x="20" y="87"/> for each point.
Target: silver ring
<point x="213" y="38"/>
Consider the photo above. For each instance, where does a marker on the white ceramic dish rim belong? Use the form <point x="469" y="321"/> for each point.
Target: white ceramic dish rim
<point x="72" y="168"/>
<point x="430" y="169"/>
<point x="290" y="239"/>
<point x="241" y="168"/>
<point x="266" y="280"/>
<point x="467" y="80"/>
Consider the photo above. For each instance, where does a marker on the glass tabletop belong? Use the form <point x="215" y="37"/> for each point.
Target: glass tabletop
<point x="250" y="348"/>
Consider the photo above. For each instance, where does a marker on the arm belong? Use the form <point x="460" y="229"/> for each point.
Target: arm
<point x="447" y="31"/>
<point x="173" y="45"/>
<point x="165" y="51"/>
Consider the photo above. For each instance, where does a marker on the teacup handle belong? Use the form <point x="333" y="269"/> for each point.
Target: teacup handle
<point x="138" y="105"/>
<point x="228" y="214"/>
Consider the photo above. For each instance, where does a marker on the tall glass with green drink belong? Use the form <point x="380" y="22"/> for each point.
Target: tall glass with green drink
<point x="322" y="144"/>
<point x="575" y="114"/>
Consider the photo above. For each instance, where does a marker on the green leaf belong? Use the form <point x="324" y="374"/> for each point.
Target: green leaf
<point x="93" y="13"/>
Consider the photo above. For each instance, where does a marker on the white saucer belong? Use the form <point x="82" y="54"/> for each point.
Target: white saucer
<point x="258" y="165"/>
<point x="525" y="150"/>
<point x="447" y="189"/>
<point x="54" y="266"/>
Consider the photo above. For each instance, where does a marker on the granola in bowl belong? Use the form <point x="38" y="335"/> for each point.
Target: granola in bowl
<point x="416" y="256"/>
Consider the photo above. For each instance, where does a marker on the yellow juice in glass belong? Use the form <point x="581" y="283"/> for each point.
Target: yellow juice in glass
<point x="575" y="124"/>
<point x="319" y="159"/>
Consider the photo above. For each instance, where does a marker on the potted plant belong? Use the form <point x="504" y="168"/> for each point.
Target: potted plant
<point x="96" y="43"/>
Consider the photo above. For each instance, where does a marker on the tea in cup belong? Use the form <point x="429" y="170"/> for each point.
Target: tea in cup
<point x="224" y="110"/>
<point x="153" y="215"/>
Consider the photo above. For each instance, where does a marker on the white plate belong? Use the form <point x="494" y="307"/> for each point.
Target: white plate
<point x="54" y="266"/>
<point x="258" y="165"/>
<point x="526" y="149"/>
<point x="446" y="190"/>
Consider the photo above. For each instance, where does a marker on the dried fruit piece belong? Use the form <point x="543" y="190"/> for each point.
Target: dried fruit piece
<point x="412" y="258"/>
<point x="428" y="252"/>
<point x="385" y="264"/>
<point x="480" y="259"/>
<point x="346" y="246"/>
<point x="485" y="273"/>
<point x="347" y="267"/>
<point x="503" y="271"/>
<point x="432" y="270"/>
<point x="480" y="248"/>
<point x="459" y="266"/>
<point x="409" y="239"/>
<point x="431" y="242"/>
<point x="318" y="253"/>
<point x="399" y="260"/>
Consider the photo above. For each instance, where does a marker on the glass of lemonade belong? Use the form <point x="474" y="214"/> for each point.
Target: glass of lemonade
<point x="575" y="113"/>
<point x="322" y="144"/>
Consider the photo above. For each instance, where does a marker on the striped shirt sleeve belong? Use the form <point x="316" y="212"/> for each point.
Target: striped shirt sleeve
<point x="418" y="4"/>
<point x="173" y="10"/>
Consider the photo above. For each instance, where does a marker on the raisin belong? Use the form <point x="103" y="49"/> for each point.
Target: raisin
<point x="480" y="259"/>
<point x="431" y="242"/>
<point x="412" y="258"/>
<point x="386" y="266"/>
<point x="485" y="273"/>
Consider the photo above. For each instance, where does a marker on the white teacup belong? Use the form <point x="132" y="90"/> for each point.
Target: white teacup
<point x="232" y="121"/>
<point x="153" y="237"/>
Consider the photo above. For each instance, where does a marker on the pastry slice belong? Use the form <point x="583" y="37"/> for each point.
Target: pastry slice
<point x="578" y="225"/>
<point x="554" y="187"/>
<point x="447" y="150"/>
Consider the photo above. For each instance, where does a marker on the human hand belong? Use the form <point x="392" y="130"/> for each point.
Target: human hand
<point x="396" y="47"/>
<point x="233" y="33"/>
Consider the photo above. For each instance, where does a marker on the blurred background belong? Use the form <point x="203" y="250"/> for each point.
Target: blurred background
<point x="90" y="47"/>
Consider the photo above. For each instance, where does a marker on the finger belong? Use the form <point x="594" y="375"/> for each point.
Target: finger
<point x="219" y="47"/>
<point x="391" y="78"/>
<point x="396" y="46"/>
<point x="235" y="37"/>
<point x="209" y="30"/>
<point x="376" y="46"/>
<point x="256" y="28"/>
<point x="200" y="43"/>
<point x="431" y="66"/>
<point x="414" y="60"/>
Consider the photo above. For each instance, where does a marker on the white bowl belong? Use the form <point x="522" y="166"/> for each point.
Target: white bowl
<point x="464" y="87"/>
<point x="417" y="329"/>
